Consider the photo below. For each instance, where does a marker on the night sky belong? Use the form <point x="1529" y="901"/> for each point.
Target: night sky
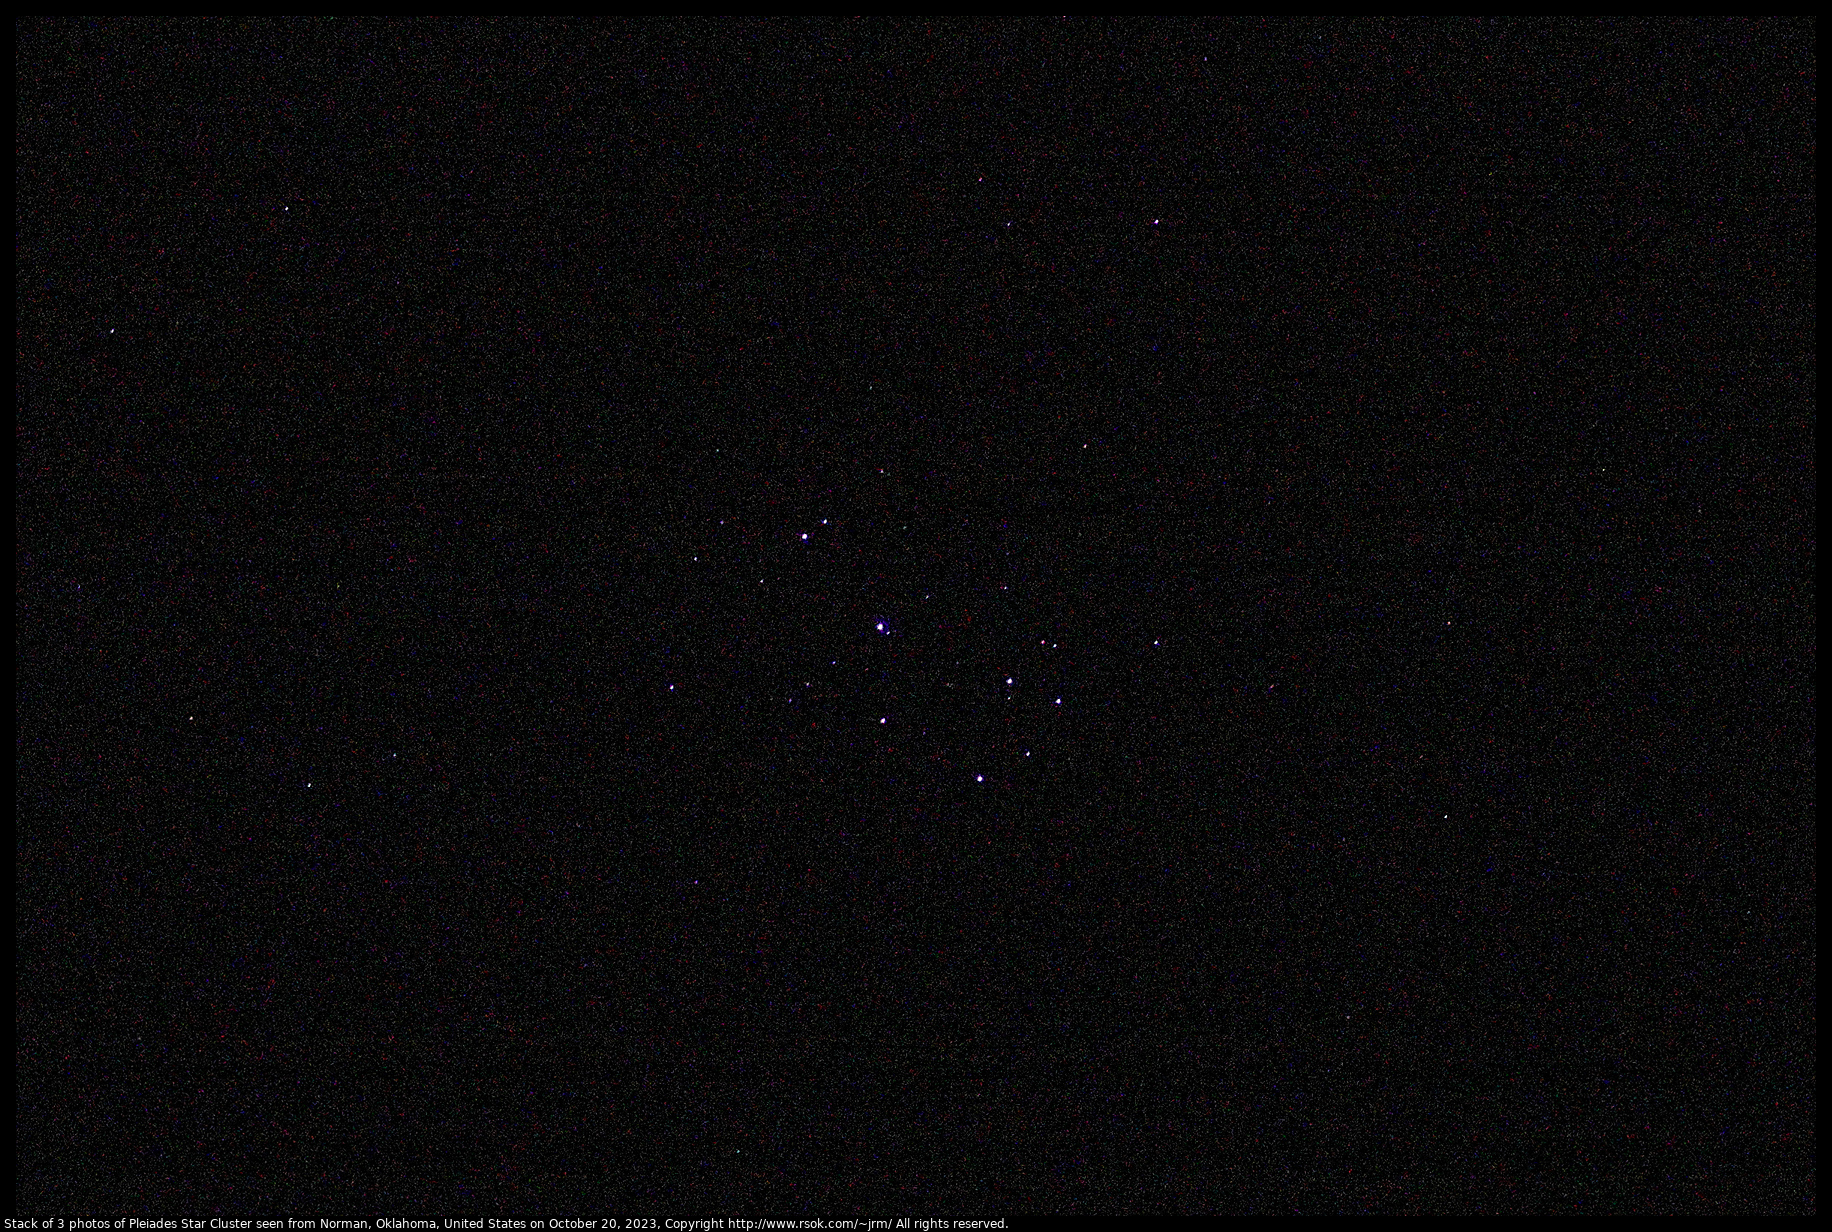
<point x="718" y="618"/>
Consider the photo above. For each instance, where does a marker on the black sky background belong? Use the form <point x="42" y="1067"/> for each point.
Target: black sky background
<point x="1378" y="454"/>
